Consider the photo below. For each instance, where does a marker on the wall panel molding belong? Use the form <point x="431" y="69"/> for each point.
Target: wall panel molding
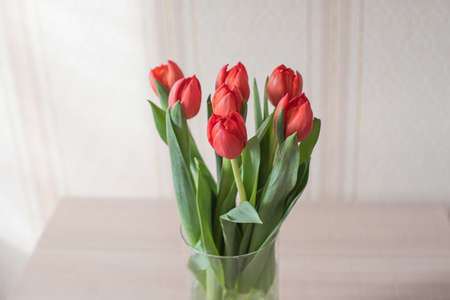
<point x="335" y="42"/>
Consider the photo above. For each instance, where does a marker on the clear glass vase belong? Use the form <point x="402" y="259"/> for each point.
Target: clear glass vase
<point x="252" y="276"/>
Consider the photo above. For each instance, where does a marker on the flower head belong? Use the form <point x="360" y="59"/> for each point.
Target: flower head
<point x="227" y="134"/>
<point x="283" y="80"/>
<point x="298" y="116"/>
<point x="167" y="75"/>
<point x="236" y="77"/>
<point x="226" y="100"/>
<point x="189" y="93"/>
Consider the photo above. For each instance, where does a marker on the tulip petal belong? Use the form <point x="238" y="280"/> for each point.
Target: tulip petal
<point x="173" y="73"/>
<point x="175" y="92"/>
<point x="236" y="77"/>
<point x="188" y="92"/>
<point x="160" y="73"/>
<point x="221" y="76"/>
<point x="191" y="96"/>
<point x="297" y="84"/>
<point x="226" y="100"/>
<point x="300" y="121"/>
<point x="227" y="145"/>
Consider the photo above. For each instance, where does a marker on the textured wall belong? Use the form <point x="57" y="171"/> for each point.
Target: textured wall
<point x="404" y="152"/>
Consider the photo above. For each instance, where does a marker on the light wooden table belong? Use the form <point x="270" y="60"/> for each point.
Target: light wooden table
<point x="130" y="249"/>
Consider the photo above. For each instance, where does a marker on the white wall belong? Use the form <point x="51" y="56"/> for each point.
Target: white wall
<point x="404" y="124"/>
<point x="73" y="78"/>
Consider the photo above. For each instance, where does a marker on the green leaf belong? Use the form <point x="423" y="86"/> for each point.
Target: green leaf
<point x="226" y="197"/>
<point x="181" y="130"/>
<point x="267" y="142"/>
<point x="247" y="230"/>
<point x="266" y="103"/>
<point x="159" y="116"/>
<point x="257" y="104"/>
<point x="307" y="146"/>
<point x="163" y="94"/>
<point x="222" y="206"/>
<point x="267" y="272"/>
<point x="204" y="210"/>
<point x="183" y="184"/>
<point x="302" y="179"/>
<point x="231" y="235"/>
<point x="281" y="181"/>
<point x="257" y="270"/>
<point x="209" y="109"/>
<point x="243" y="213"/>
<point x="196" y="154"/>
<point x="250" y="168"/>
<point x="261" y="131"/>
<point x="208" y="177"/>
<point x="294" y="195"/>
<point x="244" y="111"/>
<point x="225" y="185"/>
<point x="187" y="143"/>
<point x="280" y="127"/>
<point x="204" y="202"/>
<point x="219" y="163"/>
<point x="264" y="133"/>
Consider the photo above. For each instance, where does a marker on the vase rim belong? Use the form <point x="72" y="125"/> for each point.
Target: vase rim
<point x="197" y="251"/>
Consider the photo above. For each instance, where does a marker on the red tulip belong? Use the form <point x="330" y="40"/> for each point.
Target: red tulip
<point x="298" y="116"/>
<point x="189" y="93"/>
<point x="235" y="77"/>
<point x="227" y="135"/>
<point x="283" y="80"/>
<point x="226" y="100"/>
<point x="167" y="75"/>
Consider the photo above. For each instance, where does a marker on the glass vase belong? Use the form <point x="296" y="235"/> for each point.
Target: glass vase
<point x="251" y="276"/>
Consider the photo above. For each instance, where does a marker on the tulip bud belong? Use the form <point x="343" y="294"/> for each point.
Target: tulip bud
<point x="298" y="116"/>
<point x="167" y="75"/>
<point x="189" y="93"/>
<point x="227" y="135"/>
<point x="235" y="77"/>
<point x="283" y="80"/>
<point x="226" y="100"/>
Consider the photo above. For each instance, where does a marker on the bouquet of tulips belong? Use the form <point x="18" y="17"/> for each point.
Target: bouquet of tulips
<point x="258" y="180"/>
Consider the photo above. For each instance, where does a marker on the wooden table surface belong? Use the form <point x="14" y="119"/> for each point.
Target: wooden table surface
<point x="131" y="249"/>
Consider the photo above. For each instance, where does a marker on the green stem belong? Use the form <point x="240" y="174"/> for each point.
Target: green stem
<point x="237" y="179"/>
